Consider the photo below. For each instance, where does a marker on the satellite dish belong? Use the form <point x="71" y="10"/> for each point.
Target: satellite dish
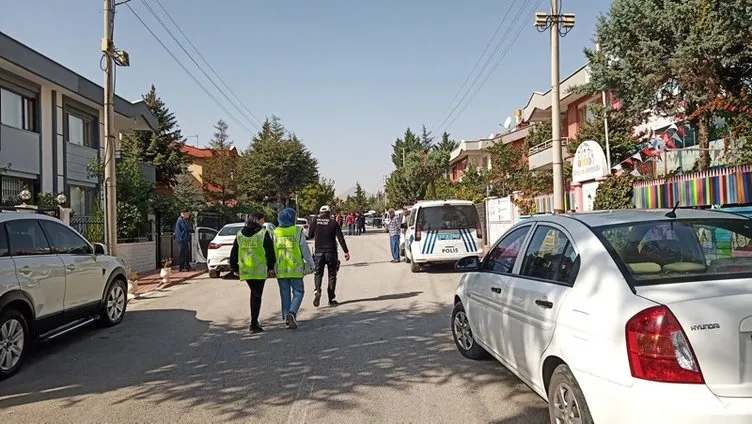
<point x="508" y="122"/>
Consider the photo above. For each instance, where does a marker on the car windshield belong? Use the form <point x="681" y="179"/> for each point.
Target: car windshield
<point x="230" y="230"/>
<point x="447" y="217"/>
<point x="302" y="221"/>
<point x="659" y="252"/>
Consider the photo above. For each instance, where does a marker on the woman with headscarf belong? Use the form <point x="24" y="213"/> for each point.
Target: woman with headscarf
<point x="252" y="256"/>
<point x="294" y="260"/>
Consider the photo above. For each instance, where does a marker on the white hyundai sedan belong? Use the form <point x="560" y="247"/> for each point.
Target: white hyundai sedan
<point x="218" y="252"/>
<point x="632" y="316"/>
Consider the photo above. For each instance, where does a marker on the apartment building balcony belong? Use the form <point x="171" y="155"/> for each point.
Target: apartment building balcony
<point x="541" y="156"/>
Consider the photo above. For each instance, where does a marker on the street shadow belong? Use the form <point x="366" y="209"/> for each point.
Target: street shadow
<point x="531" y="415"/>
<point x="361" y="264"/>
<point x="395" y="296"/>
<point x="338" y="359"/>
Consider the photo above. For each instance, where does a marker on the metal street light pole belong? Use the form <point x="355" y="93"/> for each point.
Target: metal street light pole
<point x="559" y="25"/>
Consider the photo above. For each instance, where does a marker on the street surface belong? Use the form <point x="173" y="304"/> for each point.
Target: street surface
<point x="185" y="355"/>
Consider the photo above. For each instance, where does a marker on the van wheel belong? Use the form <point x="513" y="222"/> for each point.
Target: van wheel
<point x="14" y="334"/>
<point x="414" y="267"/>
<point x="213" y="273"/>
<point x="566" y="402"/>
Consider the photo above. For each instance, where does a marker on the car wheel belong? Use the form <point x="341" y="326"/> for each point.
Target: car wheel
<point x="463" y="335"/>
<point x="114" y="305"/>
<point x="213" y="273"/>
<point x="566" y="402"/>
<point x="414" y="267"/>
<point x="13" y="341"/>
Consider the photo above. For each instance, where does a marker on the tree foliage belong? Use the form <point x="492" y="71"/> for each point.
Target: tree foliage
<point x="220" y="173"/>
<point x="615" y="193"/>
<point x="620" y="132"/>
<point x="315" y="195"/>
<point x="186" y="193"/>
<point x="676" y="66"/>
<point x="161" y="148"/>
<point x="409" y="143"/>
<point x="276" y="165"/>
<point x="540" y="132"/>
<point x="358" y="201"/>
<point x="473" y="186"/>
<point x="511" y="175"/>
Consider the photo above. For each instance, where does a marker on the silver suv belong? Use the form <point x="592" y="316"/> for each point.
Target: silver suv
<point x="52" y="281"/>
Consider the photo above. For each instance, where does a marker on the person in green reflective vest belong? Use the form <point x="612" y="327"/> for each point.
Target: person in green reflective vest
<point x="294" y="260"/>
<point x="252" y="256"/>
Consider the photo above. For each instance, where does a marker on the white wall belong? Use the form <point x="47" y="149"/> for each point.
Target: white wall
<point x="141" y="257"/>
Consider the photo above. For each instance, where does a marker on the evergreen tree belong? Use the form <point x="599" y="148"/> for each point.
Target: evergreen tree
<point x="315" y="195"/>
<point x="402" y="147"/>
<point x="220" y="174"/>
<point x="161" y="148"/>
<point x="446" y="144"/>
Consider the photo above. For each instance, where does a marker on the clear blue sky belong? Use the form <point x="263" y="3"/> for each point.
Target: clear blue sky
<point x="346" y="76"/>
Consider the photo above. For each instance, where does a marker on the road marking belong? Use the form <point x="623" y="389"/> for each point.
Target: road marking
<point x="299" y="408"/>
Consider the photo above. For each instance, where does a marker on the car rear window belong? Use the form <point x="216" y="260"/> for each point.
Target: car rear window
<point x="659" y="252"/>
<point x="230" y="230"/>
<point x="447" y="217"/>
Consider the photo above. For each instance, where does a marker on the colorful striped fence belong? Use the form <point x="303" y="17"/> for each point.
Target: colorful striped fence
<point x="724" y="186"/>
<point x="545" y="203"/>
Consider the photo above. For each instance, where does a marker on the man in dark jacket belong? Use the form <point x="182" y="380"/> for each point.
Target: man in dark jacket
<point x="252" y="256"/>
<point x="326" y="232"/>
<point x="183" y="232"/>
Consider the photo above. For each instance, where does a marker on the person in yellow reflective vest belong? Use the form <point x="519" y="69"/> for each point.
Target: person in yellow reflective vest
<point x="252" y="256"/>
<point x="294" y="260"/>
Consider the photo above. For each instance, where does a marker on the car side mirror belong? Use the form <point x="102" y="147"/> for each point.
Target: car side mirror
<point x="468" y="264"/>
<point x="100" y="249"/>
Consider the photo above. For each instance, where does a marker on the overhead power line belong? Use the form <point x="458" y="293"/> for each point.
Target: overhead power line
<point x="493" y="69"/>
<point x="175" y="58"/>
<point x="214" y="71"/>
<point x="472" y="71"/>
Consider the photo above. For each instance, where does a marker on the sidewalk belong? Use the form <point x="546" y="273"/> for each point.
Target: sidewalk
<point x="151" y="281"/>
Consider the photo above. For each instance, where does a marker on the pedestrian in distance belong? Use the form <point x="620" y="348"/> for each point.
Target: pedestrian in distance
<point x="252" y="257"/>
<point x="394" y="236"/>
<point x="326" y="233"/>
<point x="183" y="235"/>
<point x="294" y="260"/>
<point x="350" y="221"/>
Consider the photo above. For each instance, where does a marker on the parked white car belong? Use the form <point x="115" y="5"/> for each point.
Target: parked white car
<point x="303" y="223"/>
<point x="52" y="281"/>
<point x="218" y="253"/>
<point x="618" y="317"/>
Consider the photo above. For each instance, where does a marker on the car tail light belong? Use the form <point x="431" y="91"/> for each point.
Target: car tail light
<point x="658" y="348"/>
<point x="305" y="226"/>
<point x="418" y="230"/>
<point x="214" y="245"/>
<point x="478" y="230"/>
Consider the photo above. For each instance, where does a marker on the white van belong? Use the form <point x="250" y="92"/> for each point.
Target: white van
<point x="442" y="231"/>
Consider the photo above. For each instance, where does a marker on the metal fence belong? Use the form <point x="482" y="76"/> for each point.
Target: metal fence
<point x="90" y="227"/>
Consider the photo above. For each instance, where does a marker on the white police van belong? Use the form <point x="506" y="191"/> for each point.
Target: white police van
<point x="442" y="231"/>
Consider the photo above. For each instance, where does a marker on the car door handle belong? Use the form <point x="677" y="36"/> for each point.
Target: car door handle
<point x="71" y="267"/>
<point x="496" y="289"/>
<point x="544" y="303"/>
<point x="25" y="270"/>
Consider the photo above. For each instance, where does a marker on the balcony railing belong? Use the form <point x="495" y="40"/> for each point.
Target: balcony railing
<point x="545" y="146"/>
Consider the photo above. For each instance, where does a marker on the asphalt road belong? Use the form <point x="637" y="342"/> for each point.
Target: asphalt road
<point x="185" y="355"/>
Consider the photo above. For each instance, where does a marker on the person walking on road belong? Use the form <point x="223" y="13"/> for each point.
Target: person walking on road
<point x="252" y="256"/>
<point x="350" y="221"/>
<point x="183" y="233"/>
<point x="394" y="236"/>
<point x="294" y="260"/>
<point x="361" y="222"/>
<point x="326" y="233"/>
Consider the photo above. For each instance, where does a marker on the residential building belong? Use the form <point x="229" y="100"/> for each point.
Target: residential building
<point x="197" y="160"/>
<point x="51" y="126"/>
<point x="574" y="112"/>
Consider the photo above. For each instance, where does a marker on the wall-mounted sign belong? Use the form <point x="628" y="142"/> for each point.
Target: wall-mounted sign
<point x="589" y="162"/>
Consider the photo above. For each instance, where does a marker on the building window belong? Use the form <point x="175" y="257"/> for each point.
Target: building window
<point x="10" y="188"/>
<point x="17" y="111"/>
<point x="79" y="130"/>
<point x="82" y="200"/>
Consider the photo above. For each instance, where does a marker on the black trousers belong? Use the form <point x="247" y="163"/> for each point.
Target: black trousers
<point x="330" y="260"/>
<point x="184" y="256"/>
<point x="257" y="289"/>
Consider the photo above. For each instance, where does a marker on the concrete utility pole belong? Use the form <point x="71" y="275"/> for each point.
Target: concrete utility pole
<point x="559" y="25"/>
<point x="110" y="141"/>
<point x="605" y="120"/>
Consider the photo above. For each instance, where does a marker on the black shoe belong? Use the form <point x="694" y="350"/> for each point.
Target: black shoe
<point x="333" y="303"/>
<point x="291" y="322"/>
<point x="316" y="299"/>
<point x="256" y="328"/>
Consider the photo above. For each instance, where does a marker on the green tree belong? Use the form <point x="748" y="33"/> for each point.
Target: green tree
<point x="539" y="133"/>
<point x="673" y="67"/>
<point x="359" y="200"/>
<point x="620" y="132"/>
<point x="161" y="148"/>
<point x="220" y="174"/>
<point x="446" y="144"/>
<point x="473" y="185"/>
<point x="402" y="147"/>
<point x="315" y="195"/>
<point x="276" y="165"/>
<point x="615" y="193"/>
<point x="187" y="194"/>
<point x="510" y="174"/>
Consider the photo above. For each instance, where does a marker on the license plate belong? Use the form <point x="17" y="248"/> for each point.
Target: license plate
<point x="449" y="236"/>
<point x="449" y="249"/>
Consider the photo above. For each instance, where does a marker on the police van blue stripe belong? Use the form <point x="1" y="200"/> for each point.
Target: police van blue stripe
<point x="472" y="240"/>
<point x="433" y="241"/>
<point x="427" y="242"/>
<point x="464" y="239"/>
